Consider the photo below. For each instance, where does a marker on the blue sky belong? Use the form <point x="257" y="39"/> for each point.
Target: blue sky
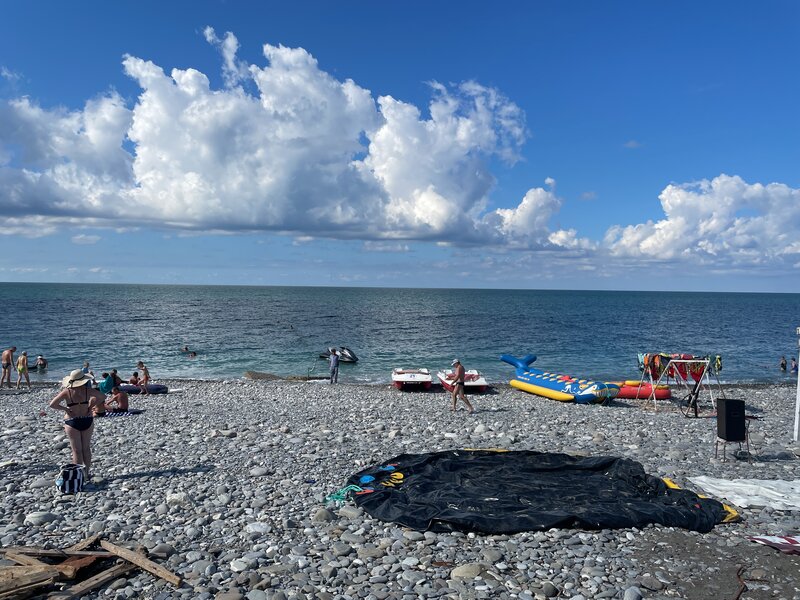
<point x="578" y="145"/>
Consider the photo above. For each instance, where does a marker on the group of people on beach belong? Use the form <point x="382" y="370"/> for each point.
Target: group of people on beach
<point x="22" y="366"/>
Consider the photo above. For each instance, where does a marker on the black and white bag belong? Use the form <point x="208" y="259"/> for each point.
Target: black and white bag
<point x="70" y="479"/>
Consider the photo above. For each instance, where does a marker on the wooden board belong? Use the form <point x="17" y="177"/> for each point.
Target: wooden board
<point x="145" y="563"/>
<point x="84" y="587"/>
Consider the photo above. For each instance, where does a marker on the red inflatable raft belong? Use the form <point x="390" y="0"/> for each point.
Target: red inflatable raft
<point x="633" y="390"/>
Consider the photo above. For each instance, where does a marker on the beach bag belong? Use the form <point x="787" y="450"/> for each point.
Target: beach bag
<point x="70" y="479"/>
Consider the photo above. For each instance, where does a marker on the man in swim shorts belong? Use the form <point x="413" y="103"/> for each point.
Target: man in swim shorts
<point x="7" y="360"/>
<point x="118" y="401"/>
<point x="22" y="369"/>
<point x="459" y="376"/>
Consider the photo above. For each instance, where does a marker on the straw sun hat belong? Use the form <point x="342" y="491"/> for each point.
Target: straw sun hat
<point x="75" y="379"/>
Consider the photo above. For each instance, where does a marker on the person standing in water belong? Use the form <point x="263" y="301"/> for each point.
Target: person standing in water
<point x="783" y="363"/>
<point x="459" y="376"/>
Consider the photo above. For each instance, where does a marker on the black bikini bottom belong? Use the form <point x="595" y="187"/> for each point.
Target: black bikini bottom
<point x="80" y="423"/>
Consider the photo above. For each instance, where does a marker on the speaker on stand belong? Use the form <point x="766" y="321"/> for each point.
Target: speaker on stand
<point x="731" y="424"/>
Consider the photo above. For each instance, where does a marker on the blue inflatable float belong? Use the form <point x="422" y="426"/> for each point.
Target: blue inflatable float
<point x="556" y="386"/>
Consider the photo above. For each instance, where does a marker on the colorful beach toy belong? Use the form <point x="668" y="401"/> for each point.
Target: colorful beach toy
<point x="556" y="386"/>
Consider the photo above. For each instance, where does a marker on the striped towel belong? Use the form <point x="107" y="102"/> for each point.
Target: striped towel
<point x="789" y="544"/>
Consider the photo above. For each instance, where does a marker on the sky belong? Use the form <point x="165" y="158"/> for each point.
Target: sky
<point x="536" y="145"/>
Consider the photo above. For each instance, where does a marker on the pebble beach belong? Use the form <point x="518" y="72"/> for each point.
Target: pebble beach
<point x="224" y="483"/>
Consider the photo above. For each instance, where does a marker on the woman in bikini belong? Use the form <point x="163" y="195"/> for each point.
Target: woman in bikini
<point x="81" y="401"/>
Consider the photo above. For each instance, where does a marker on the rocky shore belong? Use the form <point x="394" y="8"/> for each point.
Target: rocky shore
<point x="224" y="484"/>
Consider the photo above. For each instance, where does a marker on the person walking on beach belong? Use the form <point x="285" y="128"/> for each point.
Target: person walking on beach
<point x="145" y="378"/>
<point x="334" y="358"/>
<point x="22" y="369"/>
<point x="80" y="403"/>
<point x="8" y="361"/>
<point x="459" y="376"/>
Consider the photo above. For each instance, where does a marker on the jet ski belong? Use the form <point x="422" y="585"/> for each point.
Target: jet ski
<point x="345" y="354"/>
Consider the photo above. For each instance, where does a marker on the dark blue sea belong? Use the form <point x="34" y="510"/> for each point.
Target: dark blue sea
<point x="281" y="330"/>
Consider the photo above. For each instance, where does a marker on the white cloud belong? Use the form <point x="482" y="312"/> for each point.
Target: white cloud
<point x="9" y="75"/>
<point x="84" y="240"/>
<point x="722" y="221"/>
<point x="392" y="247"/>
<point x="632" y="144"/>
<point x="285" y="147"/>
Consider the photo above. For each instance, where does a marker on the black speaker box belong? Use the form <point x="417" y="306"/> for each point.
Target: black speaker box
<point x="730" y="420"/>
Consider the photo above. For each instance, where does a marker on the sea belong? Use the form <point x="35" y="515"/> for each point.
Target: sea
<point x="282" y="330"/>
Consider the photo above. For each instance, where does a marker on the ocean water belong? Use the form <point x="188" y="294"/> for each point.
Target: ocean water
<point x="281" y="330"/>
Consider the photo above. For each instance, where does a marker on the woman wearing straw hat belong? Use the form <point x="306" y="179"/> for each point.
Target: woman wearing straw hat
<point x="80" y="402"/>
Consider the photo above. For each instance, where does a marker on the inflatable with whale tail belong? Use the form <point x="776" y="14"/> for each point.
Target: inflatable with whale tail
<point x="556" y="386"/>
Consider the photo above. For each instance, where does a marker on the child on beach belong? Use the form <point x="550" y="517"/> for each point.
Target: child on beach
<point x="145" y="379"/>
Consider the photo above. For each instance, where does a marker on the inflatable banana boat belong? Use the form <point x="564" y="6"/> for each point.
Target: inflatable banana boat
<point x="555" y="386"/>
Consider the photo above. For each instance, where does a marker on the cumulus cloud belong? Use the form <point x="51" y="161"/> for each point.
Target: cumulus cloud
<point x="720" y="221"/>
<point x="285" y="147"/>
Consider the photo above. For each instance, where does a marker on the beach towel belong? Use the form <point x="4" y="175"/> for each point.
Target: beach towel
<point x="129" y="413"/>
<point x="788" y="544"/>
<point x="775" y="493"/>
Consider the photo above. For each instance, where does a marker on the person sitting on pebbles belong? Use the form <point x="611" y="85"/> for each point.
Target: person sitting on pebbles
<point x="118" y="401"/>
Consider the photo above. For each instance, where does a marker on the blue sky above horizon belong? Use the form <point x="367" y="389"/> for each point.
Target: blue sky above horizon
<point x="584" y="145"/>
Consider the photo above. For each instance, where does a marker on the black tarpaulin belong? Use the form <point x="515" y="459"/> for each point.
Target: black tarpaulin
<point x="506" y="492"/>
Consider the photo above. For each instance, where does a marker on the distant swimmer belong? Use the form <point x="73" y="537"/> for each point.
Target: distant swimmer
<point x="41" y="363"/>
<point x="783" y="363"/>
<point x="794" y="366"/>
<point x="8" y="361"/>
<point x="192" y="354"/>
<point x="185" y="349"/>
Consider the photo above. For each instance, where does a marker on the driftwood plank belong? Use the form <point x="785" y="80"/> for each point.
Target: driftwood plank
<point x="68" y="568"/>
<point x="82" y="588"/>
<point x="83" y="544"/>
<point x="24" y="559"/>
<point x="55" y="553"/>
<point x="15" y="580"/>
<point x="145" y="563"/>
